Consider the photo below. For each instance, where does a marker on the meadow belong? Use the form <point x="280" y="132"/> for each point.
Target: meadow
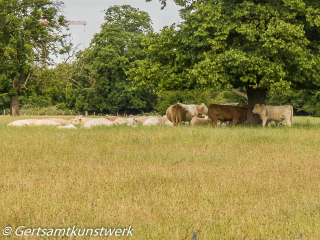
<point x="166" y="182"/>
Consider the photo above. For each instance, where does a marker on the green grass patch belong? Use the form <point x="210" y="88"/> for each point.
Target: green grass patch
<point x="225" y="183"/>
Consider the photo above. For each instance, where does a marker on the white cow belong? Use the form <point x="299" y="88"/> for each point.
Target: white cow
<point x="42" y="122"/>
<point x="194" y="110"/>
<point x="59" y="120"/>
<point x="18" y="123"/>
<point x="153" y="121"/>
<point x="46" y="122"/>
<point x="125" y="121"/>
<point x="68" y="126"/>
<point x="34" y="122"/>
<point x="80" y="120"/>
<point x="94" y="122"/>
<point x="274" y="113"/>
<point x="142" y="119"/>
<point x="168" y="123"/>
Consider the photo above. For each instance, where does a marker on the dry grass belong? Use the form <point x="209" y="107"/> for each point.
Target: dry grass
<point x="225" y="183"/>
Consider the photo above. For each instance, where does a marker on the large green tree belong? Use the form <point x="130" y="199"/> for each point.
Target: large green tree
<point x="26" y="42"/>
<point x="102" y="67"/>
<point x="253" y="44"/>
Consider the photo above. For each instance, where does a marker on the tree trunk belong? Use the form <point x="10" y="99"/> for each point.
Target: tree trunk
<point x="14" y="106"/>
<point x="255" y="96"/>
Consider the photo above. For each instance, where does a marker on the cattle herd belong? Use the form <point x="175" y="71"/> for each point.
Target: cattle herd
<point x="177" y="114"/>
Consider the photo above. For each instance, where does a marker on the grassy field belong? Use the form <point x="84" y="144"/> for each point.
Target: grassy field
<point x="166" y="182"/>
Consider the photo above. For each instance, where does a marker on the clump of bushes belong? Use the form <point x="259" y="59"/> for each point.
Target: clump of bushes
<point x="29" y="110"/>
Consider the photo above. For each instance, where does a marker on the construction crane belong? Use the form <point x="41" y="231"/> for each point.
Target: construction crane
<point x="77" y="22"/>
<point x="84" y="23"/>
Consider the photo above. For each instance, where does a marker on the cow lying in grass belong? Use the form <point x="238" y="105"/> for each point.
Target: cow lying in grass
<point x="34" y="122"/>
<point x="68" y="126"/>
<point x="87" y="122"/>
<point x="18" y="123"/>
<point x="153" y="121"/>
<point x="203" y="121"/>
<point x="59" y="120"/>
<point x="125" y="121"/>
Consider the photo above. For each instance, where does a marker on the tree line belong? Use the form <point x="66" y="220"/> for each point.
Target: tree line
<point x="266" y="49"/>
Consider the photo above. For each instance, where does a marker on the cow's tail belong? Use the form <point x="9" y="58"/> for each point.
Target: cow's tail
<point x="178" y="114"/>
<point x="174" y="114"/>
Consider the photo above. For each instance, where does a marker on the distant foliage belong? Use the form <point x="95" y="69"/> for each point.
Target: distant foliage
<point x="26" y="43"/>
<point x="42" y="111"/>
<point x="130" y="69"/>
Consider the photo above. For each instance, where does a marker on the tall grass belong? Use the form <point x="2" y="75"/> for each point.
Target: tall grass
<point x="225" y="183"/>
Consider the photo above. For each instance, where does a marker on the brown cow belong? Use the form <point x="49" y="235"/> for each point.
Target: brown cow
<point x="176" y="114"/>
<point x="227" y="113"/>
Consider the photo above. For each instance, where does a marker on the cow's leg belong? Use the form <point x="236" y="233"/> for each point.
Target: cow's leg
<point x="214" y="122"/>
<point x="174" y="120"/>
<point x="234" y="121"/>
<point x="264" y="121"/>
<point x="288" y="121"/>
<point x="270" y="123"/>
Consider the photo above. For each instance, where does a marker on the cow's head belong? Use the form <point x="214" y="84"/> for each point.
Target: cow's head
<point x="202" y="109"/>
<point x="163" y="119"/>
<point x="257" y="108"/>
<point x="77" y="120"/>
<point x="111" y="118"/>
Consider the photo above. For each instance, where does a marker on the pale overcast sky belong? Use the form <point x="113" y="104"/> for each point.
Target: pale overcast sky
<point x="92" y="12"/>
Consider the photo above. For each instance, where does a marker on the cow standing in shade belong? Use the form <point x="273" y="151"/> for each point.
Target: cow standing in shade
<point x="227" y="113"/>
<point x="176" y="114"/>
<point x="180" y="112"/>
<point x="274" y="113"/>
<point x="194" y="110"/>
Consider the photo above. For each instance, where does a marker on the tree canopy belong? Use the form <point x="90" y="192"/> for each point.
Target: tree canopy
<point x="26" y="42"/>
<point x="257" y="45"/>
<point x="101" y="68"/>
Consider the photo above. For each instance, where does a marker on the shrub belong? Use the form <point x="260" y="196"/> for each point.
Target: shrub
<point x="51" y="111"/>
